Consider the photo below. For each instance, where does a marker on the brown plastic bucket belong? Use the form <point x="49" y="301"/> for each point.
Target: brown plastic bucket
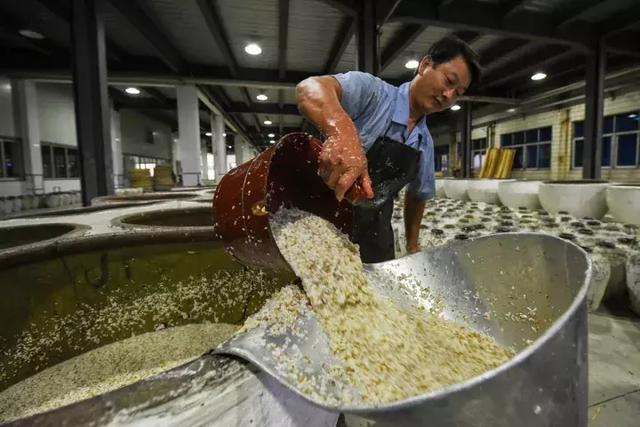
<point x="285" y="175"/>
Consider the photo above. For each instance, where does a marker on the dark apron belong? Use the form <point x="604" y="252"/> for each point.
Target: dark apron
<point x="392" y="165"/>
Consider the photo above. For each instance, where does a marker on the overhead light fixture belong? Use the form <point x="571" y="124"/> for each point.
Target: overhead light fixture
<point x="412" y="64"/>
<point x="253" y="49"/>
<point x="271" y="135"/>
<point x="132" y="91"/>
<point x="268" y="122"/>
<point x="511" y="110"/>
<point x="7" y="87"/>
<point x="224" y="134"/>
<point x="262" y="97"/>
<point x="632" y="116"/>
<point x="539" y="76"/>
<point x="455" y="107"/>
<point x="30" y="34"/>
<point x="272" y="141"/>
<point x="208" y="134"/>
<point x="229" y="147"/>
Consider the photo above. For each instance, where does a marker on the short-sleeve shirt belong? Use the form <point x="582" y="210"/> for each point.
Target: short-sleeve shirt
<point x="378" y="109"/>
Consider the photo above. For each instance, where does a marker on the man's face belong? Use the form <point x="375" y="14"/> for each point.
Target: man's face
<point x="437" y="87"/>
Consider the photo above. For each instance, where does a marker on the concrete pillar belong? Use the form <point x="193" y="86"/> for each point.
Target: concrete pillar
<point x="238" y="147"/>
<point x="189" y="135"/>
<point x="204" y="162"/>
<point x="116" y="150"/>
<point x="26" y="102"/>
<point x="217" y="129"/>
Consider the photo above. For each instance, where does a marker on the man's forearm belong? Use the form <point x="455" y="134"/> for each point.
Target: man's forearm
<point x="413" y="211"/>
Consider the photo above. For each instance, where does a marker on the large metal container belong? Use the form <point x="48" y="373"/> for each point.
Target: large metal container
<point x="544" y="384"/>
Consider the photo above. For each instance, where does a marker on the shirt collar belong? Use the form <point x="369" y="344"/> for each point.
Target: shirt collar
<point x="401" y="109"/>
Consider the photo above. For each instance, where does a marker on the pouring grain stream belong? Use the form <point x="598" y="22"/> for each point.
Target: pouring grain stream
<point x="388" y="353"/>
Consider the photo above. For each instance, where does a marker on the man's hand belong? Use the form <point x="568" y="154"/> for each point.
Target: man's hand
<point x="342" y="162"/>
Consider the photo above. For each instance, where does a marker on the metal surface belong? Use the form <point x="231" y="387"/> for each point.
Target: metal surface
<point x="91" y="100"/>
<point x="367" y="37"/>
<point x="544" y="384"/>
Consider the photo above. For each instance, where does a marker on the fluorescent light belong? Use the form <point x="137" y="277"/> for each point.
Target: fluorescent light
<point x="412" y="64"/>
<point x="253" y="49"/>
<point x="539" y="76"/>
<point x="208" y="134"/>
<point x="272" y="141"/>
<point x="262" y="97"/>
<point x="132" y="91"/>
<point x="511" y="110"/>
<point x="455" y="107"/>
<point x="30" y="34"/>
<point x="271" y="135"/>
<point x="268" y="122"/>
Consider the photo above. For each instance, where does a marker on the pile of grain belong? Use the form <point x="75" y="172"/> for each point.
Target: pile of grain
<point x="388" y="353"/>
<point x="110" y="367"/>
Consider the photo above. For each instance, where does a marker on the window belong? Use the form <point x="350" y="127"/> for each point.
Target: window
<point x="478" y="151"/>
<point x="441" y="160"/>
<point x="620" y="141"/>
<point x="10" y="158"/>
<point x="532" y="146"/>
<point x="59" y="161"/>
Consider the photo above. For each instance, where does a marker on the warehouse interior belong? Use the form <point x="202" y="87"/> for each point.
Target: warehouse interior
<point x="120" y="118"/>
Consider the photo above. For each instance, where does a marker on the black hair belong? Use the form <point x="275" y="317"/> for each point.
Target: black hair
<point x="449" y="48"/>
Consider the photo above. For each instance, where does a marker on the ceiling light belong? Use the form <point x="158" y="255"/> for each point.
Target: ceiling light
<point x="539" y="76"/>
<point x="132" y="91"/>
<point x="511" y="110"/>
<point x="268" y="122"/>
<point x="412" y="64"/>
<point x="272" y="141"/>
<point x="228" y="146"/>
<point x="30" y="34"/>
<point x="271" y="135"/>
<point x="455" y="107"/>
<point x="208" y="134"/>
<point x="224" y="134"/>
<point x="632" y="115"/>
<point x="262" y="97"/>
<point x="253" y="49"/>
<point x="7" y="87"/>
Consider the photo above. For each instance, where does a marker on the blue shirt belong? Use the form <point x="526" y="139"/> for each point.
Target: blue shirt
<point x="378" y="108"/>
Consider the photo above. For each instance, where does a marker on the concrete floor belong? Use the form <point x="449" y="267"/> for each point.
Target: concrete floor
<point x="614" y="369"/>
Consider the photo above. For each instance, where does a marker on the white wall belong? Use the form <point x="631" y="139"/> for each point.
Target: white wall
<point x="133" y="128"/>
<point x="56" y="113"/>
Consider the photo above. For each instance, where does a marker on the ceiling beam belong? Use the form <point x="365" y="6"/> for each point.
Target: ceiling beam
<point x="400" y="42"/>
<point x="487" y="18"/>
<point x="517" y="54"/>
<point x="541" y="61"/>
<point x="272" y="109"/>
<point x="160" y="98"/>
<point x="626" y="19"/>
<point x="215" y="25"/>
<point x="141" y="21"/>
<point x="340" y="42"/>
<point x="499" y="49"/>
<point x="283" y="35"/>
<point x="469" y="37"/>
<point x="347" y="7"/>
<point x="624" y="43"/>
<point x="384" y="10"/>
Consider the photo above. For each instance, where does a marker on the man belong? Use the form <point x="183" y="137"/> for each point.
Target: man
<point x="376" y="135"/>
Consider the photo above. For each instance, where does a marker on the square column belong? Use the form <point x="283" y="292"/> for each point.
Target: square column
<point x="91" y="100"/>
<point x="220" y="146"/>
<point x="26" y="102"/>
<point x="116" y="150"/>
<point x="189" y="135"/>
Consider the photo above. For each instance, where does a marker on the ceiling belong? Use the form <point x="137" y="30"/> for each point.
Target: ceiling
<point x="157" y="44"/>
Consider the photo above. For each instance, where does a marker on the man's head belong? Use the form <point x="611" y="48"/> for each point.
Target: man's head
<point x="448" y="70"/>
